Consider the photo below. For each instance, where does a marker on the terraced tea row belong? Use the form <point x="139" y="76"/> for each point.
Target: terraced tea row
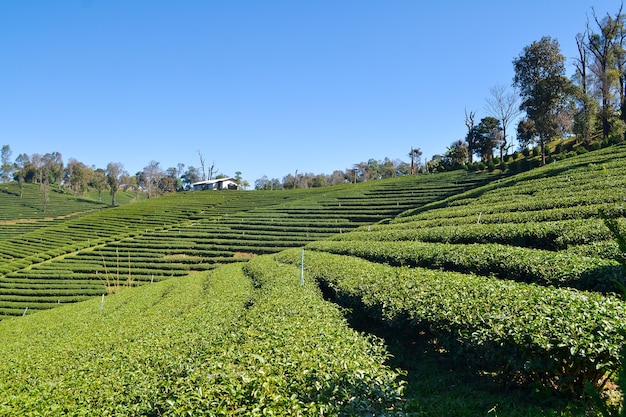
<point x="185" y="233"/>
<point x="433" y="273"/>
<point x="549" y="235"/>
<point x="232" y="341"/>
<point x="491" y="259"/>
<point x="28" y="203"/>
<point x="496" y="273"/>
<point x="559" y="337"/>
<point x="559" y="190"/>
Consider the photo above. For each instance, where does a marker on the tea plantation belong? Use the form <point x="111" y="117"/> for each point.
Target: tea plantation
<point x="69" y="259"/>
<point x="448" y="294"/>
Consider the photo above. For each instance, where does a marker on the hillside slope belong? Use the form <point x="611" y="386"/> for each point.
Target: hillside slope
<point x="512" y="280"/>
<point x="172" y="236"/>
<point x="29" y="203"/>
<point x="230" y="342"/>
<point x="519" y="275"/>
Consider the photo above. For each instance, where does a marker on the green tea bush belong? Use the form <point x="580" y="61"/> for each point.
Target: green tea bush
<point x="549" y="235"/>
<point x="328" y="363"/>
<point x="223" y="343"/>
<point x="561" y="338"/>
<point x="561" y="269"/>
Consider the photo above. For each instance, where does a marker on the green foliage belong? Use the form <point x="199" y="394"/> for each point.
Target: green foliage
<point x="182" y="233"/>
<point x="506" y="262"/>
<point x="328" y="360"/>
<point x="237" y="337"/>
<point x="220" y="344"/>
<point x="540" y="76"/>
<point x="560" y="337"/>
<point x="28" y="204"/>
<point x="549" y="235"/>
<point x="620" y="237"/>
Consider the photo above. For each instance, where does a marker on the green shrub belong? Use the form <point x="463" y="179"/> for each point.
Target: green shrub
<point x="594" y="146"/>
<point x="620" y="238"/>
<point x="224" y="343"/>
<point x="560" y="338"/>
<point x="548" y="235"/>
<point x="561" y="269"/>
<point x="559" y="148"/>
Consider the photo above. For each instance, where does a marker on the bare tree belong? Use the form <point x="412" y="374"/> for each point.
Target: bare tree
<point x="45" y="189"/>
<point x="471" y="124"/>
<point x="585" y="117"/>
<point x="603" y="47"/>
<point x="212" y="170"/>
<point x="202" y="166"/>
<point x="153" y="174"/>
<point x="582" y="62"/>
<point x="504" y="106"/>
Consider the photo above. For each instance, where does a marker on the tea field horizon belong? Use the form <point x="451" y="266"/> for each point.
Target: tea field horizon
<point x="456" y="293"/>
<point x="87" y="248"/>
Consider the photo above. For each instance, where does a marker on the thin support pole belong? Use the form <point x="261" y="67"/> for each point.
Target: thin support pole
<point x="302" y="269"/>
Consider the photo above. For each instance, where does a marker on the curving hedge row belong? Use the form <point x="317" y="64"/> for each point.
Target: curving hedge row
<point x="215" y="345"/>
<point x="549" y="235"/>
<point x="561" y="337"/>
<point x="187" y="232"/>
<point x="561" y="269"/>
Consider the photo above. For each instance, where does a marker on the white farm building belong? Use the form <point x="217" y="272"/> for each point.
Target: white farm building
<point x="218" y="184"/>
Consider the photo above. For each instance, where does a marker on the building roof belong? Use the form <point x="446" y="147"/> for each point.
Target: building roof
<point x="207" y="182"/>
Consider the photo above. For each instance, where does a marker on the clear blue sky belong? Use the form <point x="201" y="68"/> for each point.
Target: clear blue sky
<point x="265" y="87"/>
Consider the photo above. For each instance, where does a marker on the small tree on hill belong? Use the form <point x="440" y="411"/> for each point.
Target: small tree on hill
<point x="488" y="137"/>
<point x="99" y="182"/>
<point x="456" y="155"/>
<point x="152" y="174"/>
<point x="20" y="168"/>
<point x="7" y="167"/>
<point x="114" y="173"/>
<point x="540" y="76"/>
